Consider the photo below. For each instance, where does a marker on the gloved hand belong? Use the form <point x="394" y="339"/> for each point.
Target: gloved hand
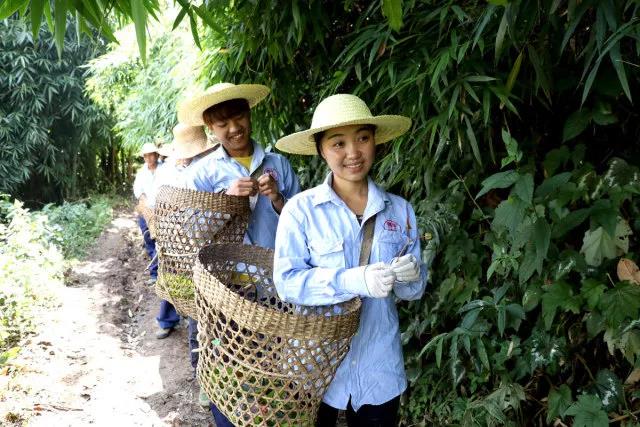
<point x="406" y="268"/>
<point x="379" y="279"/>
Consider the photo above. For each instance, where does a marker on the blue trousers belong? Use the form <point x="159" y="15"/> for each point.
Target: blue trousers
<point x="193" y="343"/>
<point x="149" y="246"/>
<point x="168" y="316"/>
<point x="220" y="419"/>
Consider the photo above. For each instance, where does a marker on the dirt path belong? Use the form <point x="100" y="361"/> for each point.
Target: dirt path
<point x="95" y="360"/>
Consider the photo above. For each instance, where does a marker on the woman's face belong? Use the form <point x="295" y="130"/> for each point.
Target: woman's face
<point x="234" y="133"/>
<point x="151" y="159"/>
<point x="349" y="151"/>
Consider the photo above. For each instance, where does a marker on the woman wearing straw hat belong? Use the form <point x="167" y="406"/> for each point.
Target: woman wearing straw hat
<point x="142" y="188"/>
<point x="317" y="255"/>
<point x="240" y="167"/>
<point x="189" y="146"/>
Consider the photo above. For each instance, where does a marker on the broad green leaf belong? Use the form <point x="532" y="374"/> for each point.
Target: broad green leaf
<point x="541" y="238"/>
<point x="531" y="297"/>
<point x="605" y="214"/>
<point x="482" y="353"/>
<point x="558" y="296"/>
<point x="392" y="10"/>
<point x="554" y="159"/>
<point x="515" y="70"/>
<point x="509" y="214"/>
<point x="569" y="222"/>
<point x="550" y="185"/>
<point x="621" y="303"/>
<point x="559" y="400"/>
<point x="524" y="188"/>
<point x="609" y="389"/>
<point x="528" y="265"/>
<point x="139" y="16"/>
<point x="499" y="180"/>
<point x="588" y="412"/>
<point x="592" y="291"/>
<point x="576" y="124"/>
<point x="598" y="244"/>
<point x="513" y="152"/>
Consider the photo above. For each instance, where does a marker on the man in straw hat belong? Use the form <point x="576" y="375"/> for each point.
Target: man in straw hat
<point x="318" y="261"/>
<point x="142" y="188"/>
<point x="240" y="166"/>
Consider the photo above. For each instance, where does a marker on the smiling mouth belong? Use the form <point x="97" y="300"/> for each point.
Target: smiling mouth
<point x="236" y="138"/>
<point x="354" y="165"/>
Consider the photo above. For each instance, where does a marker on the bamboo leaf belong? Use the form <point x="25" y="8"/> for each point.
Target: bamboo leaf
<point x="515" y="70"/>
<point x="392" y="10"/>
<point x="60" y="14"/>
<point x="9" y="7"/>
<point x="139" y="16"/>
<point x="502" y="30"/>
<point x="194" y="30"/>
<point x="616" y="60"/>
<point x="472" y="140"/>
<point x="179" y="18"/>
<point x="37" y="8"/>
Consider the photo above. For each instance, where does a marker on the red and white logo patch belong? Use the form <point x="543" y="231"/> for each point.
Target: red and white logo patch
<point x="391" y="225"/>
<point x="272" y="172"/>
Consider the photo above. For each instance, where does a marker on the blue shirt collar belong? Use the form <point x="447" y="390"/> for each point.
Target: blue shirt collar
<point x="376" y="200"/>
<point x="258" y="155"/>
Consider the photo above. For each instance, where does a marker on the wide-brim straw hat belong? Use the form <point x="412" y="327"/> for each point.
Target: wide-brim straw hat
<point x="148" y="148"/>
<point x="343" y="110"/>
<point x="190" y="110"/>
<point x="189" y="141"/>
<point x="166" y="150"/>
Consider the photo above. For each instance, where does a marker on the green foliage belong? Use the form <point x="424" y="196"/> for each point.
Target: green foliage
<point x="34" y="250"/>
<point x="143" y="98"/>
<point x="51" y="133"/>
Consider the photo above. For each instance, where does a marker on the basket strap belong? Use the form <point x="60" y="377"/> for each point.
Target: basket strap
<point x="367" y="240"/>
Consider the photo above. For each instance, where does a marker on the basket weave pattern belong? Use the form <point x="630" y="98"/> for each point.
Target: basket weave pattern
<point x="264" y="361"/>
<point x="187" y="220"/>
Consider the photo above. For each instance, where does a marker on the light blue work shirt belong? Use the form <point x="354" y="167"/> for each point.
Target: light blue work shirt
<point x="218" y="170"/>
<point x="317" y="245"/>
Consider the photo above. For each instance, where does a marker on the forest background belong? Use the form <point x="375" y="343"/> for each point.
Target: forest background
<point x="522" y="163"/>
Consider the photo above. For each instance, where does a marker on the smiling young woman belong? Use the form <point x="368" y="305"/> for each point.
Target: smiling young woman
<point x="318" y="261"/>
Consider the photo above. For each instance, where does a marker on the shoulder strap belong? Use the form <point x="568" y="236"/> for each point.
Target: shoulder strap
<point x="367" y="240"/>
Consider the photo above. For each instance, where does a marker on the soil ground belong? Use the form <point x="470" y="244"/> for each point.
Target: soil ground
<point x="94" y="359"/>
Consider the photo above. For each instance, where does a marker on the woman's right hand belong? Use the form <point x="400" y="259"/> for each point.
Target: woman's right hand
<point x="245" y="186"/>
<point x="379" y="278"/>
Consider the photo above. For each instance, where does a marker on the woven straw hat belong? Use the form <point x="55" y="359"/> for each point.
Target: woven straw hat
<point x="166" y="150"/>
<point x="342" y="110"/>
<point x="189" y="141"/>
<point x="148" y="148"/>
<point x="190" y="110"/>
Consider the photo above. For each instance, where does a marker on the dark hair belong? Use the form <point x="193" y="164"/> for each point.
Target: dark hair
<point x="225" y="110"/>
<point x="317" y="137"/>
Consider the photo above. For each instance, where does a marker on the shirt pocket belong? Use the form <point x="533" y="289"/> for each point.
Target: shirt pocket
<point x="389" y="244"/>
<point x="327" y="253"/>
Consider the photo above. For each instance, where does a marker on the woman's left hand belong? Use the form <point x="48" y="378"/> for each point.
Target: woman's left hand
<point x="407" y="268"/>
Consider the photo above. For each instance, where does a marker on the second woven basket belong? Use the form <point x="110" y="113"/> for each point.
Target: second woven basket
<point x="185" y="221"/>
<point x="264" y="361"/>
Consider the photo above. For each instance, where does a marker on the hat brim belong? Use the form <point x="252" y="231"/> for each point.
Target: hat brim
<point x="142" y="153"/>
<point x="190" y="111"/>
<point x="388" y="127"/>
<point x="192" y="150"/>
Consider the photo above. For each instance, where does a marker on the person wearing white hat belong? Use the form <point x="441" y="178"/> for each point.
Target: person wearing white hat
<point x="240" y="166"/>
<point x="142" y="187"/>
<point x="318" y="259"/>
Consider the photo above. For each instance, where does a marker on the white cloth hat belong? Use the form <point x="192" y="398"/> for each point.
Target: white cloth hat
<point x="148" y="148"/>
<point x="342" y="110"/>
<point x="190" y="110"/>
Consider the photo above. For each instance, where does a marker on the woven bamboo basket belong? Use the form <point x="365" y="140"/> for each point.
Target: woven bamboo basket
<point x="264" y="361"/>
<point x="149" y="217"/>
<point x="187" y="220"/>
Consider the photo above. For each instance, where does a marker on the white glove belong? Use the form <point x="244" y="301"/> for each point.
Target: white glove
<point x="379" y="279"/>
<point x="406" y="268"/>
